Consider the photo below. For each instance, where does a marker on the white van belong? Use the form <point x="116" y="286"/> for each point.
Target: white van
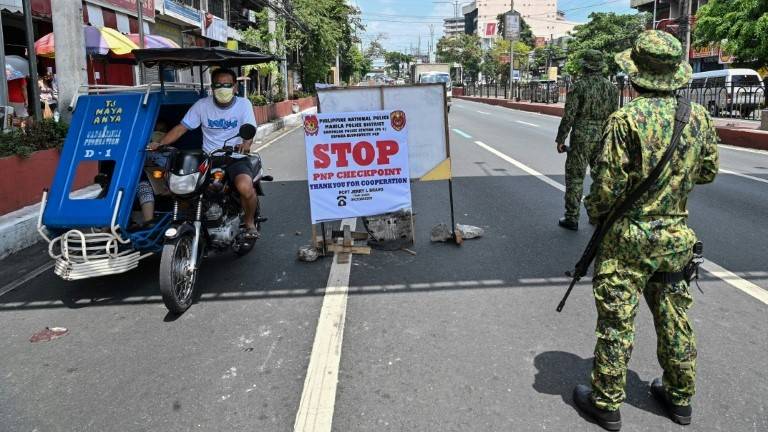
<point x="728" y="90"/>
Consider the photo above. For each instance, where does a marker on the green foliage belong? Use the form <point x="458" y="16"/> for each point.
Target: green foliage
<point x="330" y="26"/>
<point x="463" y="49"/>
<point x="354" y="65"/>
<point x="549" y="54"/>
<point x="526" y="34"/>
<point x="258" y="34"/>
<point x="742" y="24"/>
<point x="42" y="135"/>
<point x="396" y="61"/>
<point x="258" y="100"/>
<point x="607" y="32"/>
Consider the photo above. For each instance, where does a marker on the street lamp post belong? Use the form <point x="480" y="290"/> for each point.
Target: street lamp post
<point x="34" y="101"/>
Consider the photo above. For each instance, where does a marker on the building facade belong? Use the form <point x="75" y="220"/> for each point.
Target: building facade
<point x="666" y="16"/>
<point x="453" y="26"/>
<point x="545" y="20"/>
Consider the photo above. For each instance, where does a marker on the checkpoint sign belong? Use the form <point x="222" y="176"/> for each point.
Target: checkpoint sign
<point x="357" y="164"/>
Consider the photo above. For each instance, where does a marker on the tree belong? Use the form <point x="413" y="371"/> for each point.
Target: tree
<point x="549" y="54"/>
<point x="327" y="30"/>
<point x="463" y="49"/>
<point x="395" y="60"/>
<point x="740" y="25"/>
<point x="607" y="32"/>
<point x="526" y="34"/>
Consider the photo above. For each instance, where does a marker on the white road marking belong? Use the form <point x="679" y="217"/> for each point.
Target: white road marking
<point x="484" y="112"/>
<point x="26" y="278"/>
<point x="319" y="395"/>
<point x="522" y="166"/>
<point x="526" y="123"/>
<point x="745" y="149"/>
<point x="743" y="175"/>
<point x="462" y="133"/>
<point x="272" y="141"/>
<point x="716" y="270"/>
<point x="735" y="281"/>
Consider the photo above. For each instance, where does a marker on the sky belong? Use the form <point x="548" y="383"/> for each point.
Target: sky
<point x="404" y="22"/>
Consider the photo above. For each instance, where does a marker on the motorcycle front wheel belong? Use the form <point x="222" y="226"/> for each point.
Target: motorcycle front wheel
<point x="177" y="277"/>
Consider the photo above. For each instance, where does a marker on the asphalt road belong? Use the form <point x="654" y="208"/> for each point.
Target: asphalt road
<point x="451" y="339"/>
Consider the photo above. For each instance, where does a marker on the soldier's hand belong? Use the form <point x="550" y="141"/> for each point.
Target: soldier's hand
<point x="561" y="148"/>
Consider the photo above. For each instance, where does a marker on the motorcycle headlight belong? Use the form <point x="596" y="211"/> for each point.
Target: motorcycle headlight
<point x="182" y="185"/>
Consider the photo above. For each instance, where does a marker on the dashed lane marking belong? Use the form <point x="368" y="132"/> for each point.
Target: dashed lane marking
<point x="716" y="270"/>
<point x="745" y="149"/>
<point x="484" y="112"/>
<point x="746" y="176"/>
<point x="319" y="395"/>
<point x="462" y="133"/>
<point x="526" y="123"/>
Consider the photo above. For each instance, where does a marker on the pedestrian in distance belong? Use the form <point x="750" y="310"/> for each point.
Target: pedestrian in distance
<point x="648" y="248"/>
<point x="587" y="106"/>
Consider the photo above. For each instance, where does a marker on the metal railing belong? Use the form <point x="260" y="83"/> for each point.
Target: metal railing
<point x="737" y="102"/>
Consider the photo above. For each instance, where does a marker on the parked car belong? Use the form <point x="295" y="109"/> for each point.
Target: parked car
<point x="727" y="90"/>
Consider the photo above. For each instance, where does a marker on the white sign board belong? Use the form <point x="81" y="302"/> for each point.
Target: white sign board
<point x="357" y="164"/>
<point x="423" y="105"/>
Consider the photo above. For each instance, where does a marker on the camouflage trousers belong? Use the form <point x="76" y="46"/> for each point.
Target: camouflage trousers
<point x="617" y="286"/>
<point x="584" y="149"/>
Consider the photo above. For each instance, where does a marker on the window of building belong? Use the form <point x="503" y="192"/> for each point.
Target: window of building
<point x="216" y="7"/>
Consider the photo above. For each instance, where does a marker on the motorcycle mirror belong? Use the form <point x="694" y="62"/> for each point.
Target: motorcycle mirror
<point x="247" y="131"/>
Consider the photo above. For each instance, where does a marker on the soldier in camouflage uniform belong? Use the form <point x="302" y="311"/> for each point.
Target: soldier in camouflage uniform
<point x="590" y="102"/>
<point x="651" y="238"/>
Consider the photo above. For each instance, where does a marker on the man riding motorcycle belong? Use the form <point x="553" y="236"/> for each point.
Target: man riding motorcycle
<point x="220" y="116"/>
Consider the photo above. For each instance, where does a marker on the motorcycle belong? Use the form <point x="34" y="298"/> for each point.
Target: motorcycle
<point x="207" y="215"/>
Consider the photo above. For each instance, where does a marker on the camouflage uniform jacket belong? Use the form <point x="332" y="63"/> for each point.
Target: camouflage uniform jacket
<point x="592" y="99"/>
<point x="634" y="140"/>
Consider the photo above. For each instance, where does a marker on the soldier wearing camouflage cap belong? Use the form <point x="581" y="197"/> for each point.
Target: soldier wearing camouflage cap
<point x="590" y="102"/>
<point x="652" y="239"/>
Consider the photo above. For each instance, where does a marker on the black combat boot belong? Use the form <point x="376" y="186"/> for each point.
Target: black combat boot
<point x="678" y="413"/>
<point x="609" y="420"/>
<point x="568" y="224"/>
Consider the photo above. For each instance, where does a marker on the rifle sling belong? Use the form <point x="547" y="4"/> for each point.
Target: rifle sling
<point x="682" y="115"/>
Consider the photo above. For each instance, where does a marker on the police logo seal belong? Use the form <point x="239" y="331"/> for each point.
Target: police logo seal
<point x="311" y="125"/>
<point x="397" y="119"/>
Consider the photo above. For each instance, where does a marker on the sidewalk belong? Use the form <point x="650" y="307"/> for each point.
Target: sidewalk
<point x="18" y="229"/>
<point x="735" y="132"/>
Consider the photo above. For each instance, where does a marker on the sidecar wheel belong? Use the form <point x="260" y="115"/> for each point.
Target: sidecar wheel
<point x="177" y="279"/>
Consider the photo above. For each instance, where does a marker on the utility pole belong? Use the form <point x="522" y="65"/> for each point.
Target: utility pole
<point x="4" y="83"/>
<point x="70" y="45"/>
<point x="140" y="15"/>
<point x="34" y="101"/>
<point x="685" y="27"/>
<point x="431" y="39"/>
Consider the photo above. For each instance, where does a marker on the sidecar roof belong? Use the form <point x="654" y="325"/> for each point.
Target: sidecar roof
<point x="186" y="57"/>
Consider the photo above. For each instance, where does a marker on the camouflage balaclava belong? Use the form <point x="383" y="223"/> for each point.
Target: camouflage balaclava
<point x="654" y="63"/>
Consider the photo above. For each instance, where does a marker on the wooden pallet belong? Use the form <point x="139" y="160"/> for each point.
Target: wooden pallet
<point x="341" y="243"/>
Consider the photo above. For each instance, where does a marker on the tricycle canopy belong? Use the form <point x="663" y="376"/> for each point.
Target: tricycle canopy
<point x="188" y="57"/>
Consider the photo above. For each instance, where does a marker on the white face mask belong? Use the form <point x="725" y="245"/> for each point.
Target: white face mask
<point x="224" y="95"/>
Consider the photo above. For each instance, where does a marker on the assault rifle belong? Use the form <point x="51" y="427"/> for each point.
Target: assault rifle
<point x="682" y="114"/>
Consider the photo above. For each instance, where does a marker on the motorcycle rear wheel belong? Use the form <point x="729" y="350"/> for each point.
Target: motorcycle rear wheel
<point x="177" y="279"/>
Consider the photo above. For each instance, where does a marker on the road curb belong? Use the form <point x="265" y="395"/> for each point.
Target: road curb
<point x="18" y="229"/>
<point x="739" y="137"/>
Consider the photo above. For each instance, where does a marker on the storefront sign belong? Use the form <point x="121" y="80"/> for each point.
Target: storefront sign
<point x="214" y="27"/>
<point x="128" y="7"/>
<point x="182" y="12"/>
<point x="357" y="164"/>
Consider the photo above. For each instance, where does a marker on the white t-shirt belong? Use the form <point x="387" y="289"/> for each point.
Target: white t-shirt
<point x="219" y="124"/>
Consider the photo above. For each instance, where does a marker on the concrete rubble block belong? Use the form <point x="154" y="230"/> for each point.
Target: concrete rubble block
<point x="308" y="254"/>
<point x="440" y="233"/>
<point x="469" y="231"/>
<point x="764" y="120"/>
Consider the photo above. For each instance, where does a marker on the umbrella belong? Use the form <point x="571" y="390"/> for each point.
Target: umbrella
<point x="16" y="67"/>
<point x="153" y="41"/>
<point x="98" y="41"/>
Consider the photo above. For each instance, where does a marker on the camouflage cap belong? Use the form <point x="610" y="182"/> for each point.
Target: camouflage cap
<point x="592" y="60"/>
<point x="654" y="63"/>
